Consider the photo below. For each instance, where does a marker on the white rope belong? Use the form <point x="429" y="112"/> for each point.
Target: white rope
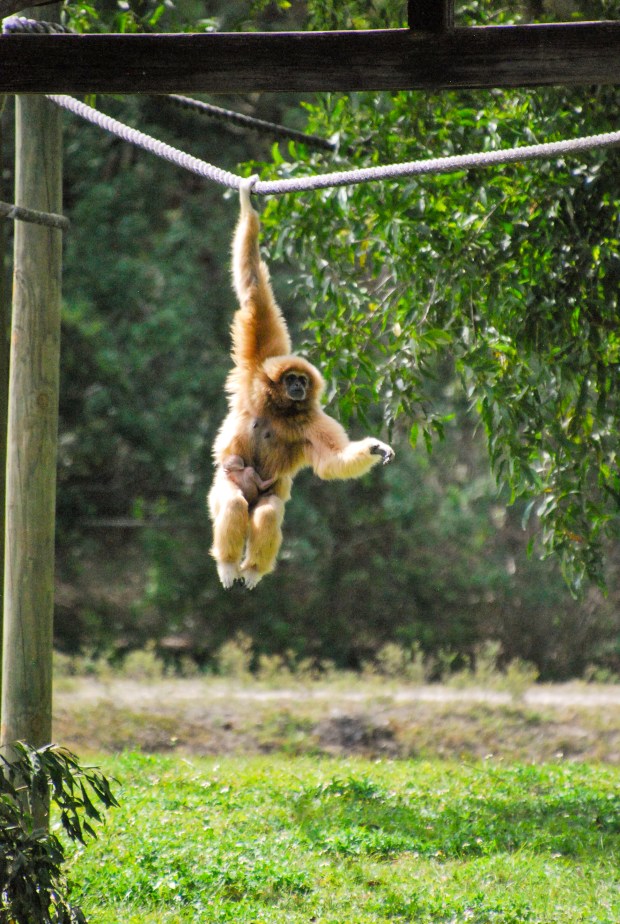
<point x="441" y="164"/>
<point x="343" y="178"/>
<point x="133" y="136"/>
<point x="13" y="25"/>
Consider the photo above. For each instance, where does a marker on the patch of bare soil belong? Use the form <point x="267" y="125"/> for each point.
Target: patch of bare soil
<point x="209" y="717"/>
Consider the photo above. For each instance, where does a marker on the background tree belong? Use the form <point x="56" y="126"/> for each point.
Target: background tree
<point x="513" y="274"/>
<point x="449" y="305"/>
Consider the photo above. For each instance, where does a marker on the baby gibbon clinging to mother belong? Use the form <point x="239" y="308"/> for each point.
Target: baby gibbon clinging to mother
<point x="246" y="478"/>
<point x="275" y="421"/>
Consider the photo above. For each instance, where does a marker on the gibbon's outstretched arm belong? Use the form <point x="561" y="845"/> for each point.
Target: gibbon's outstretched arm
<point x="333" y="455"/>
<point x="258" y="329"/>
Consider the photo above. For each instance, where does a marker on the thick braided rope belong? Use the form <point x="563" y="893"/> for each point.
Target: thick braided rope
<point x="16" y="24"/>
<point x="147" y="143"/>
<point x="436" y="165"/>
<point x="344" y="178"/>
<point x="246" y="121"/>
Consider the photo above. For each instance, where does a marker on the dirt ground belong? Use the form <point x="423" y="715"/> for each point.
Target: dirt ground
<point x="371" y="718"/>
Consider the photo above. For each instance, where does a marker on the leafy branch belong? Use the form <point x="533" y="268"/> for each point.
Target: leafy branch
<point x="32" y="884"/>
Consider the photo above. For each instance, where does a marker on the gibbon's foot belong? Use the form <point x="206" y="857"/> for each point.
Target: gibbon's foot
<point x="228" y="573"/>
<point x="250" y="577"/>
<point x="382" y="449"/>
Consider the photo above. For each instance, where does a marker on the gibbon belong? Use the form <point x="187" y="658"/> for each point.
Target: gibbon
<point x="275" y="421"/>
<point x="246" y="478"/>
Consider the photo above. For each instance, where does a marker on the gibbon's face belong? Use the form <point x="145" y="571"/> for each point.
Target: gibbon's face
<point x="296" y="385"/>
<point x="289" y="383"/>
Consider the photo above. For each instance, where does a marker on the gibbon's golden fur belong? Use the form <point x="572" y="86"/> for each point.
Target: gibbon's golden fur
<point x="275" y="421"/>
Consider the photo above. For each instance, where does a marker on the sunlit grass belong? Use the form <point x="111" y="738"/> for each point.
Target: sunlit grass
<point x="301" y="840"/>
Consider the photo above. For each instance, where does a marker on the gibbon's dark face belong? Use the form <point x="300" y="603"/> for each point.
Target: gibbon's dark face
<point x="296" y="385"/>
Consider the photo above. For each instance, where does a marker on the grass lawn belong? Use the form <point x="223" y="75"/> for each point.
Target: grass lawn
<point x="281" y="840"/>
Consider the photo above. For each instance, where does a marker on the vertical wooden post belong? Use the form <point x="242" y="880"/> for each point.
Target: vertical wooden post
<point x="5" y="326"/>
<point x="430" y="15"/>
<point x="32" y="431"/>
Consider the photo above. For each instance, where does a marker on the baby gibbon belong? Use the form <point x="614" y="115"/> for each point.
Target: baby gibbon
<point x="246" y="478"/>
<point x="275" y="421"/>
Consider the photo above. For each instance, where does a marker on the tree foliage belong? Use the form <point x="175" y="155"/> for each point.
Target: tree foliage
<point x="512" y="273"/>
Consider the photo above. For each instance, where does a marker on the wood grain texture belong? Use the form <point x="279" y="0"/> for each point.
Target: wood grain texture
<point x="493" y="56"/>
<point x="32" y="431"/>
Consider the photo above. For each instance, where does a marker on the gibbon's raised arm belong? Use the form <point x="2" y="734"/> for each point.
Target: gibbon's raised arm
<point x="333" y="455"/>
<point x="258" y="328"/>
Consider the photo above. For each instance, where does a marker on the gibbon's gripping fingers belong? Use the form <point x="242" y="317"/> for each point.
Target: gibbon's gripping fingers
<point x="245" y="192"/>
<point x="382" y="449"/>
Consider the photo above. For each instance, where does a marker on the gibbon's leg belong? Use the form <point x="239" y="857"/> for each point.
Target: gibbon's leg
<point x="229" y="512"/>
<point x="264" y="539"/>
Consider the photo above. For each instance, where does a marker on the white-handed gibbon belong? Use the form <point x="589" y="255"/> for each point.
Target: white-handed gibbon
<point x="246" y="478"/>
<point x="275" y="421"/>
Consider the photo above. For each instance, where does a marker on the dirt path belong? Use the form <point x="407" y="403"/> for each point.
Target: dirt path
<point x="169" y="694"/>
<point x="198" y="716"/>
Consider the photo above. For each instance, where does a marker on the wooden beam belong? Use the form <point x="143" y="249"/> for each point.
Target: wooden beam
<point x="492" y="56"/>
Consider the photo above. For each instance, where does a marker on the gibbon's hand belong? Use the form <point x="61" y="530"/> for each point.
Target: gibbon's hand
<point x="245" y="191"/>
<point x="382" y="449"/>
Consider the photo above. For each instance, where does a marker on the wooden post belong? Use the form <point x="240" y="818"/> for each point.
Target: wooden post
<point x="5" y="327"/>
<point x="32" y="431"/>
<point x="430" y="15"/>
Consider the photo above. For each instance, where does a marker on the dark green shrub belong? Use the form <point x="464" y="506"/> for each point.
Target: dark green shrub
<point x="33" y="886"/>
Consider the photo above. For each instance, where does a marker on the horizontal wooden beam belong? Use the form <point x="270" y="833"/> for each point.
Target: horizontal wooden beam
<point x="492" y="56"/>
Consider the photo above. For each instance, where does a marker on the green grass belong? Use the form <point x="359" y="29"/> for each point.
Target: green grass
<point x="290" y="840"/>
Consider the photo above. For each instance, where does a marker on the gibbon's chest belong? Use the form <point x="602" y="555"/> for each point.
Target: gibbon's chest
<point x="276" y="448"/>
